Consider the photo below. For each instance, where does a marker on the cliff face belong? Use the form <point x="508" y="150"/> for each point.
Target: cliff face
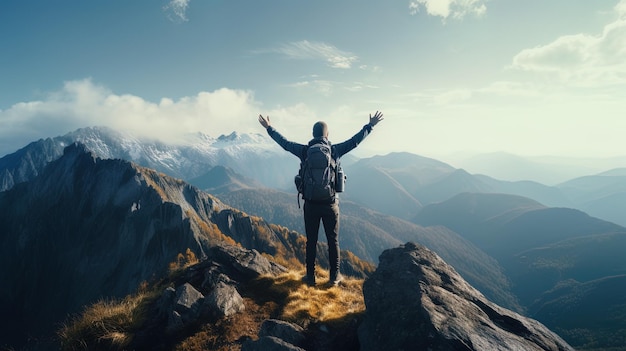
<point x="88" y="228"/>
<point x="415" y="301"/>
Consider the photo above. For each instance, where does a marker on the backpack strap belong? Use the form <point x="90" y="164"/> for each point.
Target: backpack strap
<point x="301" y="172"/>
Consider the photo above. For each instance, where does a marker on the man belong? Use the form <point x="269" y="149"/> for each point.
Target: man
<point x="327" y="211"/>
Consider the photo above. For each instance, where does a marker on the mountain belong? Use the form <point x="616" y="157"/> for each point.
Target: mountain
<point x="88" y="228"/>
<point x="220" y="179"/>
<point x="602" y="195"/>
<point x="74" y="216"/>
<point x="367" y="233"/>
<point x="415" y="301"/>
<point x="511" y="167"/>
<point x="590" y="314"/>
<point x="549" y="170"/>
<point x="541" y="249"/>
<point x="251" y="155"/>
<point x="238" y="299"/>
<point x="582" y="259"/>
<point x="388" y="183"/>
<point x="399" y="184"/>
<point x="504" y="225"/>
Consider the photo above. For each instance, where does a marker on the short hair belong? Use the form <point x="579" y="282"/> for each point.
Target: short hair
<point x="320" y="129"/>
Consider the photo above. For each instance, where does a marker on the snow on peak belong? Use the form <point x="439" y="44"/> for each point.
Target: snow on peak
<point x="236" y="138"/>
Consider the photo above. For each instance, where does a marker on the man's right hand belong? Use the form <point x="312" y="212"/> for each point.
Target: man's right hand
<point x="265" y="122"/>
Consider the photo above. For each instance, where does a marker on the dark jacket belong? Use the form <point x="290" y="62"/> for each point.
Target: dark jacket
<point x="337" y="150"/>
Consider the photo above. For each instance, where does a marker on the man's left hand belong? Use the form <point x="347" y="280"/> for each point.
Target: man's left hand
<point x="378" y="116"/>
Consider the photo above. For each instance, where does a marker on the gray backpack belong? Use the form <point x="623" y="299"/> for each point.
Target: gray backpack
<point x="316" y="178"/>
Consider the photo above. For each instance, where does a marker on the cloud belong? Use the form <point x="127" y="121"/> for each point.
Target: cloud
<point x="582" y="59"/>
<point x="307" y="50"/>
<point x="620" y="8"/>
<point x="456" y="9"/>
<point x="177" y="10"/>
<point x="82" y="103"/>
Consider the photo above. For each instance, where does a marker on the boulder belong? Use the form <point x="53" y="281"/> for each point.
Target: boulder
<point x="289" y="332"/>
<point x="224" y="301"/>
<point x="249" y="263"/>
<point x="268" y="343"/>
<point x="184" y="309"/>
<point x="416" y="301"/>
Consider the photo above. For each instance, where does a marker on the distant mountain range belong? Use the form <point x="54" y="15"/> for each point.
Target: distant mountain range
<point x="250" y="155"/>
<point x="404" y="182"/>
<point x="549" y="170"/>
<point x="543" y="250"/>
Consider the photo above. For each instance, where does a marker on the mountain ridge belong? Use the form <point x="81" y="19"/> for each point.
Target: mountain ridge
<point x="113" y="224"/>
<point x="414" y="180"/>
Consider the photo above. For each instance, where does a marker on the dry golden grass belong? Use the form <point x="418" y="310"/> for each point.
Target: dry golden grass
<point x="106" y="324"/>
<point x="227" y="333"/>
<point x="111" y="325"/>
<point x="303" y="304"/>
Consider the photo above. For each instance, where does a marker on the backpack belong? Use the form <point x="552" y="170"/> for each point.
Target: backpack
<point x="316" y="178"/>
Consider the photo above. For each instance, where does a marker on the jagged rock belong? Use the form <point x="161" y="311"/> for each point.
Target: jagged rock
<point x="249" y="263"/>
<point x="224" y="301"/>
<point x="184" y="309"/>
<point x="289" y="332"/>
<point x="269" y="343"/>
<point x="213" y="277"/>
<point x="188" y="301"/>
<point x="416" y="301"/>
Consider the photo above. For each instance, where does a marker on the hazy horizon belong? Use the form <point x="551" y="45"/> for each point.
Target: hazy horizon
<point x="525" y="78"/>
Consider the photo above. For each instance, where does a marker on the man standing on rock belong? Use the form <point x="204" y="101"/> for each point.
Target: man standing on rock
<point x="317" y="208"/>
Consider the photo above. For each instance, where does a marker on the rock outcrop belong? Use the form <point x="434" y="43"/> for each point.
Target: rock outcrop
<point x="276" y="335"/>
<point x="416" y="301"/>
<point x="209" y="289"/>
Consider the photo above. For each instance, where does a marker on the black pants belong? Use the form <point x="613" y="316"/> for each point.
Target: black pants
<point x="329" y="215"/>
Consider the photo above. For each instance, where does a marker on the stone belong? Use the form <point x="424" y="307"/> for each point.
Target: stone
<point x="249" y="263"/>
<point x="224" y="301"/>
<point x="289" y="332"/>
<point x="188" y="302"/>
<point x="269" y="343"/>
<point x="416" y="301"/>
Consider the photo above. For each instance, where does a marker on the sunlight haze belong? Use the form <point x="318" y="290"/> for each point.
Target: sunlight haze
<point x="532" y="78"/>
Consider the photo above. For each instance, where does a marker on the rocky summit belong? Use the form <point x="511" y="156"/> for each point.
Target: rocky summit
<point x="416" y="301"/>
<point x="88" y="228"/>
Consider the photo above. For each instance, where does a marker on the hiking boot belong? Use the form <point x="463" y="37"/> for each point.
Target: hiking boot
<point x="335" y="279"/>
<point x="310" y="281"/>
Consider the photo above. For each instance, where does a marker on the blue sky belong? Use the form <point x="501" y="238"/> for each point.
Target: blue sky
<point x="530" y="77"/>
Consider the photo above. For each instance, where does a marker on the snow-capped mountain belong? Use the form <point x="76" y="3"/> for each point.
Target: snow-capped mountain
<point x="252" y="155"/>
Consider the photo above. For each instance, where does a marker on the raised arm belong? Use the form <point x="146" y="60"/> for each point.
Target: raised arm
<point x="294" y="148"/>
<point x="347" y="146"/>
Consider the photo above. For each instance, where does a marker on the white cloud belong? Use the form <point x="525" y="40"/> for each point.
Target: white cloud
<point x="307" y="50"/>
<point x="177" y="10"/>
<point x="323" y="87"/>
<point x="456" y="9"/>
<point x="83" y="103"/>
<point x="620" y="8"/>
<point x="582" y="59"/>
